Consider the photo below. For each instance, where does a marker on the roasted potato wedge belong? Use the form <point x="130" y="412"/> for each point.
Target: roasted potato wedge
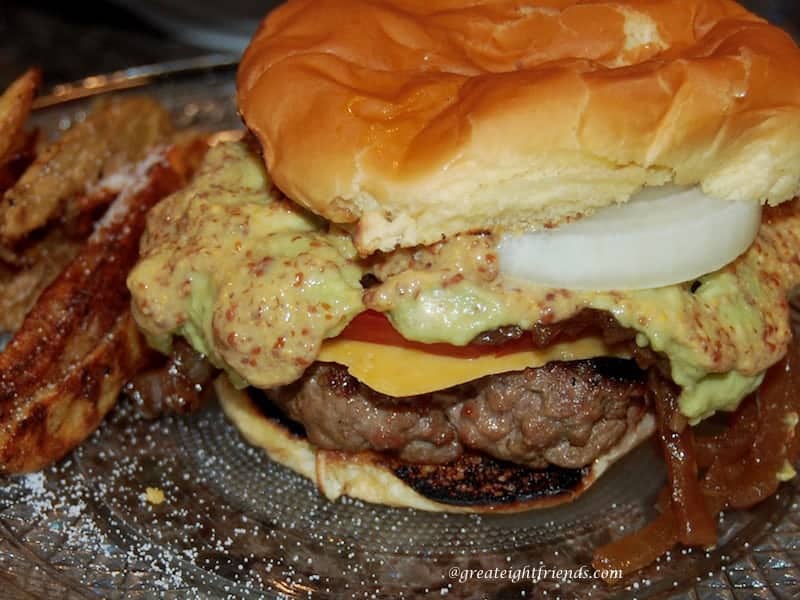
<point x="118" y="132"/>
<point x="36" y="268"/>
<point x="18" y="158"/>
<point x="63" y="369"/>
<point x="15" y="105"/>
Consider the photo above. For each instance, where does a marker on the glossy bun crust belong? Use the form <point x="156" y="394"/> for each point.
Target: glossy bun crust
<point x="409" y="121"/>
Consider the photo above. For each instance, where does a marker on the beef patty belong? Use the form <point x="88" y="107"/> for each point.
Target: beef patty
<point x="564" y="413"/>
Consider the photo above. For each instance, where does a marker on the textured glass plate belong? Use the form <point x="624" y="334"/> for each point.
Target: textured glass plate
<point x="233" y="524"/>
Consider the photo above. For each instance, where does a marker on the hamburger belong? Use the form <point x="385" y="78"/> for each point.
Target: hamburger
<point x="471" y="253"/>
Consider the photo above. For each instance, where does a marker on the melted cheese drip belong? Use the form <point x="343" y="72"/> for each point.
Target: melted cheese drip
<point x="398" y="372"/>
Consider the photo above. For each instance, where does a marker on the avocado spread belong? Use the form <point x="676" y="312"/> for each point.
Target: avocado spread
<point x="257" y="284"/>
<point x="248" y="278"/>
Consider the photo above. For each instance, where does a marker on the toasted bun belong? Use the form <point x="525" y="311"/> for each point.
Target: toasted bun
<point x="469" y="486"/>
<point x="413" y="120"/>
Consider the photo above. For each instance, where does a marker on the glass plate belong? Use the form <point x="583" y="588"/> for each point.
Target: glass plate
<point x="233" y="524"/>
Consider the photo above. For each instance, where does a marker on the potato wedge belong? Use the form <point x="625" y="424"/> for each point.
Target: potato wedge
<point x="18" y="158"/>
<point x="31" y="272"/>
<point x="118" y="132"/>
<point x="15" y="105"/>
<point x="63" y="369"/>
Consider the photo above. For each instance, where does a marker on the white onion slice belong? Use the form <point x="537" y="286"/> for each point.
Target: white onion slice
<point x="663" y="235"/>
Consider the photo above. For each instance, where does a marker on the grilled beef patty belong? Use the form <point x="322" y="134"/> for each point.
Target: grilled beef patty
<point x="564" y="413"/>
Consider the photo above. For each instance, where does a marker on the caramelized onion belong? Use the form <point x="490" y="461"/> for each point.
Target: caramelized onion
<point x="734" y="441"/>
<point x="695" y="526"/>
<point x="639" y="549"/>
<point x="177" y="387"/>
<point x="744" y="464"/>
<point x="751" y="478"/>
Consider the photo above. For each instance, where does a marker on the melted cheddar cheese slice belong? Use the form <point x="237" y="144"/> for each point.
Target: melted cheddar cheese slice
<point x="397" y="371"/>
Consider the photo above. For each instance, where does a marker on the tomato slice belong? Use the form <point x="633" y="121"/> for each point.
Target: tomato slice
<point x="374" y="327"/>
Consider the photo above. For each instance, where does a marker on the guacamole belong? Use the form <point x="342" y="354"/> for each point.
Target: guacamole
<point x="248" y="278"/>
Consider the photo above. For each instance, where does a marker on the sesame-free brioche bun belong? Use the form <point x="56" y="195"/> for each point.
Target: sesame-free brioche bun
<point x="409" y="121"/>
<point x="474" y="484"/>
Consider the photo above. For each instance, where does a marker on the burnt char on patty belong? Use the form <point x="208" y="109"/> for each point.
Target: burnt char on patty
<point x="564" y="413"/>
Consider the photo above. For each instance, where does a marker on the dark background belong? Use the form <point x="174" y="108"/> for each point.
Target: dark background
<point x="72" y="40"/>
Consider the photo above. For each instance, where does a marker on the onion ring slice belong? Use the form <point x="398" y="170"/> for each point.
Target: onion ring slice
<point x="662" y="236"/>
